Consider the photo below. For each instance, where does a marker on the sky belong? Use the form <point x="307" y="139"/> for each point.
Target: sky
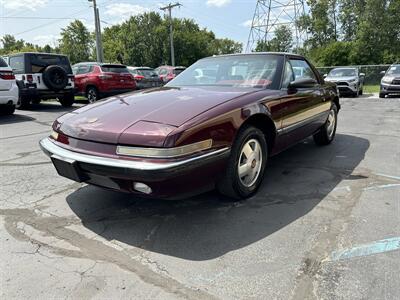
<point x="40" y="21"/>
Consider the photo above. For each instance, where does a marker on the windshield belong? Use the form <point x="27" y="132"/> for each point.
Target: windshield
<point x="394" y="70"/>
<point x="236" y="71"/>
<point x="342" y="72"/>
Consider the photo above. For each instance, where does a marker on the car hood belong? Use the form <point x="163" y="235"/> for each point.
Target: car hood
<point x="151" y="113"/>
<point x="342" y="78"/>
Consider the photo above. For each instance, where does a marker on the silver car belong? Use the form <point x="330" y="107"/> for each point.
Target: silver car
<point x="390" y="83"/>
<point x="348" y="80"/>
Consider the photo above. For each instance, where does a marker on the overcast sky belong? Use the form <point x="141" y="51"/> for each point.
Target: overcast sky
<point x="38" y="21"/>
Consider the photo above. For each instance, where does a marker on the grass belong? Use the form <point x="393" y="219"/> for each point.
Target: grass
<point x="369" y="89"/>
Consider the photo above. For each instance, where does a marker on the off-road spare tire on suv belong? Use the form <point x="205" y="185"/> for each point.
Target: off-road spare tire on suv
<point x="55" y="77"/>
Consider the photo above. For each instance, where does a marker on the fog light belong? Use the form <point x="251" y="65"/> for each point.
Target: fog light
<point x="141" y="187"/>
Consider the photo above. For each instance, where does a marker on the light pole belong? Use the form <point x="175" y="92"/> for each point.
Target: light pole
<point x="171" y="33"/>
<point x="99" y="45"/>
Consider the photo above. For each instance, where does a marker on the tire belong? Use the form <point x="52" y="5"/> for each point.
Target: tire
<point x="8" y="110"/>
<point x="232" y="185"/>
<point x="36" y="101"/>
<point x="326" y="134"/>
<point x="361" y="92"/>
<point x="55" y="77"/>
<point x="23" y="103"/>
<point x="92" y="94"/>
<point x="67" y="100"/>
<point x="382" y="95"/>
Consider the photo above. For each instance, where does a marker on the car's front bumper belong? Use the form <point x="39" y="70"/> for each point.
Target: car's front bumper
<point x="167" y="178"/>
<point x="387" y="88"/>
<point x="350" y="88"/>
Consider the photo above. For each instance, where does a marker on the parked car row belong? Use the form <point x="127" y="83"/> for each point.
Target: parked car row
<point x="30" y="77"/>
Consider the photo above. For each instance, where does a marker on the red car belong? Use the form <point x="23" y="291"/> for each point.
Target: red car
<point x="198" y="132"/>
<point x="167" y="73"/>
<point x="97" y="80"/>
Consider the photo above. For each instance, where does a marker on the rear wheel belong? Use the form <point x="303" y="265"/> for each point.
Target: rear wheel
<point x="327" y="132"/>
<point x="246" y="164"/>
<point x="92" y="94"/>
<point x="67" y="100"/>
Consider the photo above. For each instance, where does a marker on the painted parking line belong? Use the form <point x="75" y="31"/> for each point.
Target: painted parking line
<point x="381" y="246"/>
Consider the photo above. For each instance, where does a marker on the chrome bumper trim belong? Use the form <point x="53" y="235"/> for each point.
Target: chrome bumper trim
<point x="51" y="149"/>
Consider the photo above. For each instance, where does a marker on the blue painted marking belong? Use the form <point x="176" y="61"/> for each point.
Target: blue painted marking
<point x="368" y="249"/>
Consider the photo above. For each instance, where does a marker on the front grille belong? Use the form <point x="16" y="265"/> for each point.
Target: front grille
<point x="342" y="83"/>
<point x="396" y="81"/>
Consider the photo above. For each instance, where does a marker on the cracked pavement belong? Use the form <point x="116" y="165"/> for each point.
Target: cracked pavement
<point x="65" y="240"/>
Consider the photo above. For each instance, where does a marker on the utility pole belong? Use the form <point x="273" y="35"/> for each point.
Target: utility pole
<point x="99" y="45"/>
<point x="169" y="7"/>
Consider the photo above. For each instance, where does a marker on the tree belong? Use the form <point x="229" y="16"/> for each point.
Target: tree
<point x="281" y="42"/>
<point x="76" y="42"/>
<point x="225" y="46"/>
<point x="10" y="44"/>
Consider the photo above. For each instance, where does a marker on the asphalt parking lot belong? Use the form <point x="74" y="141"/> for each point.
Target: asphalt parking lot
<point x="324" y="225"/>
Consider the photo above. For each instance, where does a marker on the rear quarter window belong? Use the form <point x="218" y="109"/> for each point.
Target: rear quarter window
<point x="3" y="63"/>
<point x="17" y="64"/>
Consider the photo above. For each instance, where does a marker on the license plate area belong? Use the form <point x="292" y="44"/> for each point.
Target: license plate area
<point x="68" y="168"/>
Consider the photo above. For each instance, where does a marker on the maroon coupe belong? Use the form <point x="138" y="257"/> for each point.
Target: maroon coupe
<point x="215" y="125"/>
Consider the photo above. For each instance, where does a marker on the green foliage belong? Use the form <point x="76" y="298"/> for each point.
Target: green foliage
<point x="76" y="42"/>
<point x="11" y="45"/>
<point x="143" y="40"/>
<point x="369" y="32"/>
<point x="281" y="42"/>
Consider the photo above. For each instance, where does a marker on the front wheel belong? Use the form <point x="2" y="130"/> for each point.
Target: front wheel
<point x="246" y="164"/>
<point x="327" y="132"/>
<point x="382" y="95"/>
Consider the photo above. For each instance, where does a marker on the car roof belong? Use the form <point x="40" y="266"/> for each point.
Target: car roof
<point x="45" y="53"/>
<point x="259" y="53"/>
<point x="135" y="68"/>
<point x="94" y="63"/>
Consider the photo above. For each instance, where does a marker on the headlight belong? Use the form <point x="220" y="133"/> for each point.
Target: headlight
<point x="387" y="80"/>
<point x="164" y="152"/>
<point x="353" y="80"/>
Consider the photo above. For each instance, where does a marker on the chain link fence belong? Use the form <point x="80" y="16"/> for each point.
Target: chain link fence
<point x="372" y="73"/>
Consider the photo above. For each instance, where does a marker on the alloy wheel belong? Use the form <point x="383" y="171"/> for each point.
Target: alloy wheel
<point x="250" y="162"/>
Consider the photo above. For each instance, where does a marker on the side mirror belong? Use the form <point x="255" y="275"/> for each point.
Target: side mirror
<point x="382" y="72"/>
<point x="362" y="74"/>
<point x="325" y="75"/>
<point x="302" y="84"/>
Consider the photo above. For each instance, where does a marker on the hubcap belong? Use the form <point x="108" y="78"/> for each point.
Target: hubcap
<point x="92" y="97"/>
<point x="250" y="162"/>
<point x="331" y="123"/>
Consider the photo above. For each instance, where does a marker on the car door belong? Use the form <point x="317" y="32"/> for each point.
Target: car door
<point x="304" y="109"/>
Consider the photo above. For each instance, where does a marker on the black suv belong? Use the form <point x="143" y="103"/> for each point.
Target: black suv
<point x="42" y="76"/>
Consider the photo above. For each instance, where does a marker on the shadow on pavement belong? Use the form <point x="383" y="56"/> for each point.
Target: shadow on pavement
<point x="205" y="227"/>
<point x="15" y="118"/>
